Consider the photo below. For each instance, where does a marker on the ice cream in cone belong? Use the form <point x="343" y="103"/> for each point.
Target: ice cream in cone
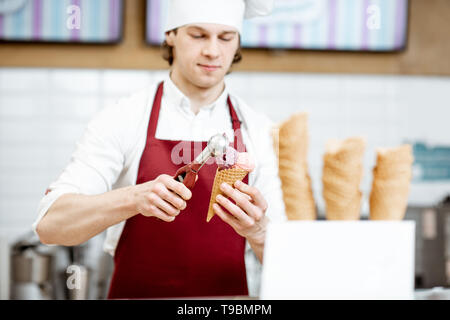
<point x="237" y="165"/>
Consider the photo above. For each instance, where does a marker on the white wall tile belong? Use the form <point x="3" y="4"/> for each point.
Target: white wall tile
<point x="368" y="110"/>
<point x="273" y="85"/>
<point x="239" y="83"/>
<point x="19" y="156"/>
<point x="67" y="131"/>
<point x="24" y="182"/>
<point x="14" y="105"/>
<point x="17" y="212"/>
<point x="314" y="85"/>
<point x="64" y="81"/>
<point x="19" y="80"/>
<point x="122" y="82"/>
<point x="73" y="107"/>
<point x="367" y="87"/>
<point x="318" y="109"/>
<point x="16" y="131"/>
<point x="43" y="112"/>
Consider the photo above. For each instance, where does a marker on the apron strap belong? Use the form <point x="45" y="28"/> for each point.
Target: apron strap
<point x="154" y="116"/>
<point x="236" y="123"/>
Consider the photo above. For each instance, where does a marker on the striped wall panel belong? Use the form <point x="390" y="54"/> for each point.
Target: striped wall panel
<point x="99" y="21"/>
<point x="354" y="25"/>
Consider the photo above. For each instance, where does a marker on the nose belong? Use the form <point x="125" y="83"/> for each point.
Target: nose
<point x="211" y="48"/>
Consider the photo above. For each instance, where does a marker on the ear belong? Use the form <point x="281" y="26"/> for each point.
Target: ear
<point x="170" y="38"/>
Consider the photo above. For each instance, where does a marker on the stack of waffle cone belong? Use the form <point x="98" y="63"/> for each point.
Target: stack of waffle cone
<point x="291" y="146"/>
<point x="229" y="176"/>
<point x="390" y="186"/>
<point x="342" y="174"/>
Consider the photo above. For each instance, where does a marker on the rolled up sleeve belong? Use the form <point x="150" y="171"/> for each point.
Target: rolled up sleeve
<point x="95" y="164"/>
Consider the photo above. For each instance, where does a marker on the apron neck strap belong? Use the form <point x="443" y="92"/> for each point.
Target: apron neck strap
<point x="154" y="116"/>
<point x="236" y="123"/>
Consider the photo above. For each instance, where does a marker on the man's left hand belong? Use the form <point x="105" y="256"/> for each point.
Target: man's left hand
<point x="247" y="216"/>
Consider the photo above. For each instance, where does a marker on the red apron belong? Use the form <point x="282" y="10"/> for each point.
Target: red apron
<point x="187" y="257"/>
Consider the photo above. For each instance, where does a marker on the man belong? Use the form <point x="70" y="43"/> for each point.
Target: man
<point x="120" y="177"/>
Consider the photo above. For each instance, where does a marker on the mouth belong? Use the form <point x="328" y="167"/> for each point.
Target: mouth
<point x="209" y="67"/>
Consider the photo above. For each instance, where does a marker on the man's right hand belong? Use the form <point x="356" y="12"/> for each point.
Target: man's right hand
<point x="162" y="198"/>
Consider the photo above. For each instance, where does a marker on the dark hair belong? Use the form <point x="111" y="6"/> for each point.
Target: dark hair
<point x="167" y="51"/>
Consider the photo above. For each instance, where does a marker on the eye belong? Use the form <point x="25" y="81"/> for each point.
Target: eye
<point x="197" y="36"/>
<point x="226" y="37"/>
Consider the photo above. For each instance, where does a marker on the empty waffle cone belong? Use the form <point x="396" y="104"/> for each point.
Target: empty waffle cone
<point x="391" y="181"/>
<point x="348" y="211"/>
<point x="401" y="154"/>
<point x="341" y="177"/>
<point x="291" y="145"/>
<point x="348" y="150"/>
<point x="229" y="176"/>
<point x="292" y="138"/>
<point x="298" y="198"/>
<point x="385" y="206"/>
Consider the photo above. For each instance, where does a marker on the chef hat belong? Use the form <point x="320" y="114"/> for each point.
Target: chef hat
<point x="227" y="12"/>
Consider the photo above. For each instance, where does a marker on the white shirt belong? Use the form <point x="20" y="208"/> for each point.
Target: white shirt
<point x="107" y="156"/>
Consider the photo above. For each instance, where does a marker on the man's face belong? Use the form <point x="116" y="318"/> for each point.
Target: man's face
<point x="203" y="53"/>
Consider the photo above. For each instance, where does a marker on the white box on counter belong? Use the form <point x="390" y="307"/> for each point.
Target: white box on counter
<point x="339" y="260"/>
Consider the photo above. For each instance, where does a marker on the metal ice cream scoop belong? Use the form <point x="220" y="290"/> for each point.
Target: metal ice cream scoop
<point x="216" y="147"/>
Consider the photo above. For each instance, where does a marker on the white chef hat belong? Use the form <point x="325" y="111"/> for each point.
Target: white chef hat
<point x="226" y="12"/>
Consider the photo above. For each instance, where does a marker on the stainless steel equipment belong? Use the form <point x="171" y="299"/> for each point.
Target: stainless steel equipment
<point x="4" y="268"/>
<point x="31" y="269"/>
<point x="432" y="244"/>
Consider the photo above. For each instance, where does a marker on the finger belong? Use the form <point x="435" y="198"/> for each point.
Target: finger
<point x="254" y="193"/>
<point x="166" y="207"/>
<point x="174" y="199"/>
<point x="247" y="197"/>
<point x="237" y="212"/>
<point x="242" y="201"/>
<point x="225" y="216"/>
<point x="153" y="210"/>
<point x="176" y="187"/>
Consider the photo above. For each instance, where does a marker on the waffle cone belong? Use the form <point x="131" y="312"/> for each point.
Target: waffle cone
<point x="341" y="177"/>
<point x="298" y="197"/>
<point x="387" y="207"/>
<point x="292" y="138"/>
<point x="391" y="181"/>
<point x="229" y="176"/>
<point x="291" y="146"/>
<point x="349" y="211"/>
<point x="402" y="154"/>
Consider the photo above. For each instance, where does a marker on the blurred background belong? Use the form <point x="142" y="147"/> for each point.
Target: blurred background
<point x="376" y="68"/>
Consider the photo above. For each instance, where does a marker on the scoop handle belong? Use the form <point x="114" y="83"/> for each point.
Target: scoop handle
<point x="187" y="175"/>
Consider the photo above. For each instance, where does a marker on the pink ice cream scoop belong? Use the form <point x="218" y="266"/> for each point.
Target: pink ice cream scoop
<point x="230" y="157"/>
<point x="244" y="161"/>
